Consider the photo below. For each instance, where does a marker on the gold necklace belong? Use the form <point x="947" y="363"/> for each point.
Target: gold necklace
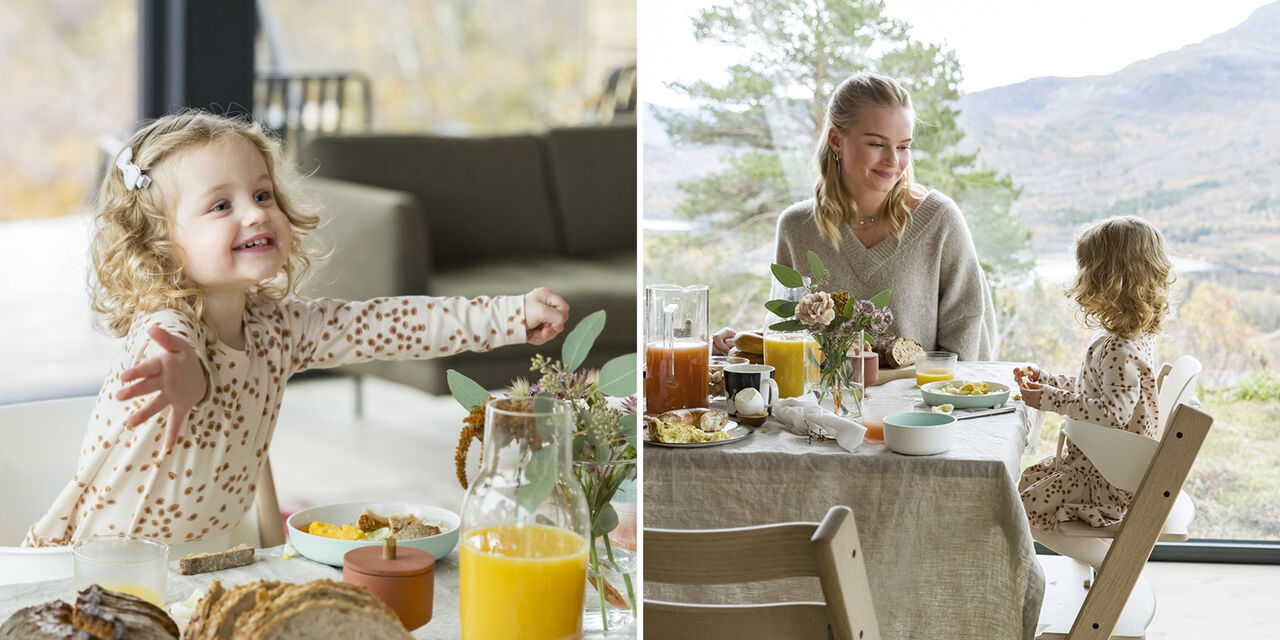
<point x="866" y="221"/>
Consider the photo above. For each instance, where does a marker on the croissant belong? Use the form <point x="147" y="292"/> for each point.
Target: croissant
<point x="705" y="419"/>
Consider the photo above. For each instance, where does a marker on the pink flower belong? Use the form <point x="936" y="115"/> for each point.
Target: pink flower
<point x="816" y="310"/>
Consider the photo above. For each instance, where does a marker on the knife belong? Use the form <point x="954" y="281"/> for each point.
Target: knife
<point x="979" y="414"/>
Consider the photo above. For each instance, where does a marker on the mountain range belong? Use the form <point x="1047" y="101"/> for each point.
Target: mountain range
<point x="1189" y="139"/>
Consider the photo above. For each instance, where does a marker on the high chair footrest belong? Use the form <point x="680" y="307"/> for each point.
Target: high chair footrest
<point x="1064" y="594"/>
<point x="1078" y="529"/>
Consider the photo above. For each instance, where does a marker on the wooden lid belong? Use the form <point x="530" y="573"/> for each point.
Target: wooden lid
<point x="407" y="562"/>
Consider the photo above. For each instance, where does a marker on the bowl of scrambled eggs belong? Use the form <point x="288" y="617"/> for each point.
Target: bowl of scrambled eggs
<point x="965" y="394"/>
<point x="326" y="533"/>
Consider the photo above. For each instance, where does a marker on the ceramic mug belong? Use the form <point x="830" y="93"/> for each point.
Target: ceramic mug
<point x="750" y="376"/>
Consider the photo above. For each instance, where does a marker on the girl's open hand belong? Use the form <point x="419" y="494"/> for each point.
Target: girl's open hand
<point x="544" y="315"/>
<point x="176" y="374"/>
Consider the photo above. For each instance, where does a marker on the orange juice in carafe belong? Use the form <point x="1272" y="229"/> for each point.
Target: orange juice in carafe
<point x="676" y="376"/>
<point x="537" y="573"/>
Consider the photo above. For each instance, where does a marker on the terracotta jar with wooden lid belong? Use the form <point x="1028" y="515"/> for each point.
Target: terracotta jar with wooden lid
<point x="404" y="578"/>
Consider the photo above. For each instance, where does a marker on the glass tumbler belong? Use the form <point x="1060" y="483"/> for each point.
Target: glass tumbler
<point x="129" y="564"/>
<point x="932" y="366"/>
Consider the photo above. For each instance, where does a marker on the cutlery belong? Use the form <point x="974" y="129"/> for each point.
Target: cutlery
<point x="979" y="414"/>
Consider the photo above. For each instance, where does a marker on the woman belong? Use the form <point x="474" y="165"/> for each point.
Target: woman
<point x="874" y="228"/>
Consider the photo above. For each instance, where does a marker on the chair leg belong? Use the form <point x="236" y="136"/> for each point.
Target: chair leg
<point x="1064" y="597"/>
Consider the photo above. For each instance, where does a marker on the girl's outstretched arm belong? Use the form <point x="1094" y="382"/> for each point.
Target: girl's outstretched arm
<point x="176" y="373"/>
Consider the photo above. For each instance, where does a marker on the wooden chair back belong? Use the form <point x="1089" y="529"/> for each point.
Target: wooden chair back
<point x="829" y="551"/>
<point x="1152" y="502"/>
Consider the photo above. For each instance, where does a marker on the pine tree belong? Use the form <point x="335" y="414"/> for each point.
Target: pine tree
<point x="796" y="53"/>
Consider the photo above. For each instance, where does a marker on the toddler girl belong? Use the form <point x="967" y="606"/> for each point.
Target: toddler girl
<point x="199" y="242"/>
<point x="1121" y="287"/>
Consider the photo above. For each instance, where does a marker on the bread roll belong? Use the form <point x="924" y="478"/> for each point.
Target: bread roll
<point x="750" y="342"/>
<point x="753" y="358"/>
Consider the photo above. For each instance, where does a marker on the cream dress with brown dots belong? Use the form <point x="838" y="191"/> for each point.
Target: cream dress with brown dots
<point x="1116" y="388"/>
<point x="206" y="484"/>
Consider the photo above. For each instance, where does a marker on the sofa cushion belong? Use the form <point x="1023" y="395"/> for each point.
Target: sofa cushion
<point x="587" y="285"/>
<point x="483" y="197"/>
<point x="594" y="173"/>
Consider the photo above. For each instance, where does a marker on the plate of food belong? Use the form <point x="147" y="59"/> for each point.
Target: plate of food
<point x="965" y="394"/>
<point x="692" y="428"/>
<point x="326" y="533"/>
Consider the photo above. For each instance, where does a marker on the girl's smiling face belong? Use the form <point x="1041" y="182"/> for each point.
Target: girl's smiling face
<point x="874" y="151"/>
<point x="225" y="217"/>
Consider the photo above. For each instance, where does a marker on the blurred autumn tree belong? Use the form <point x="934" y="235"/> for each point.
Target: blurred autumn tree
<point x="795" y="53"/>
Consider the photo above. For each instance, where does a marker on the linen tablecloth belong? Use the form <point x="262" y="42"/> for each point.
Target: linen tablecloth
<point x="945" y="537"/>
<point x="444" y="622"/>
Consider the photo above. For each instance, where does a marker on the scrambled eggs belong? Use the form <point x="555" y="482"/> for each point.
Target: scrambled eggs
<point x="965" y="389"/>
<point x="344" y="532"/>
<point x="685" y="433"/>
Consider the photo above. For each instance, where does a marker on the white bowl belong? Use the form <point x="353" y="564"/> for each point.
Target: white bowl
<point x="919" y="433"/>
<point x="330" y="551"/>
<point x="932" y="393"/>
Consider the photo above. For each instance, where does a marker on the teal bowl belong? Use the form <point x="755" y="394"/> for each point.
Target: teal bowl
<point x="919" y="433"/>
<point x="330" y="551"/>
<point x="933" y="395"/>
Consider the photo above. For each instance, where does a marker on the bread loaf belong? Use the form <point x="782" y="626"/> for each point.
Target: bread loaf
<point x="750" y="342"/>
<point x="98" y="613"/>
<point x="271" y="610"/>
<point x="896" y="352"/>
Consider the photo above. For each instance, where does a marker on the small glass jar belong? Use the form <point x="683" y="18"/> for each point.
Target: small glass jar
<point x="932" y="366"/>
<point x="525" y="525"/>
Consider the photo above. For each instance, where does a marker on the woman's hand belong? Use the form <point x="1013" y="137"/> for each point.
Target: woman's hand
<point x="544" y="315"/>
<point x="723" y="341"/>
<point x="176" y="374"/>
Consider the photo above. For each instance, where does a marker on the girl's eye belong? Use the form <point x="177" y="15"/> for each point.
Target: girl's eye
<point x="264" y="196"/>
<point x="877" y="145"/>
<point x="219" y="206"/>
<point x="905" y="148"/>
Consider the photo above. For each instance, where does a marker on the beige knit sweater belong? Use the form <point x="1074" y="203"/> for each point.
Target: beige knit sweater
<point x="940" y="295"/>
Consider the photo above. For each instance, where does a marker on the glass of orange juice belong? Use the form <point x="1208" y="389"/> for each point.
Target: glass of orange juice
<point x="129" y="564"/>
<point x="932" y="366"/>
<point x="792" y="354"/>
<point x="523" y="549"/>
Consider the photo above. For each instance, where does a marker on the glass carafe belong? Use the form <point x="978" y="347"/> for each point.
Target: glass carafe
<point x="677" y="351"/>
<point x="794" y="355"/>
<point x="525" y="525"/>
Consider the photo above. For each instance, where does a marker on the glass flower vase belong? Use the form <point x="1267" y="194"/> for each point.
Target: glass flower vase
<point x="612" y="600"/>
<point x="839" y="386"/>
<point x="525" y="525"/>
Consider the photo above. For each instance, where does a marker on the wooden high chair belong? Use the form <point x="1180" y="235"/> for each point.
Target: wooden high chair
<point x="1111" y="607"/>
<point x="829" y="550"/>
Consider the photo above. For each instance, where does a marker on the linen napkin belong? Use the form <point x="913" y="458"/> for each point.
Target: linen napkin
<point x="802" y="413"/>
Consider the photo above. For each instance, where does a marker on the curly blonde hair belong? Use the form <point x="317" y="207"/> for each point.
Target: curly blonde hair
<point x="1124" y="276"/>
<point x="136" y="263"/>
<point x="833" y="206"/>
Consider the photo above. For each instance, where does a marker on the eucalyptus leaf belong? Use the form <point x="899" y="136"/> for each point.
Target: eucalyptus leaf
<point x="815" y="263"/>
<point x="606" y="521"/>
<point x="540" y="476"/>
<point x="869" y="338"/>
<point x="781" y="308"/>
<point x="787" y="325"/>
<point x="881" y="299"/>
<point x="602" y="453"/>
<point x="579" y="341"/>
<point x="848" y="308"/>
<point x="466" y="391"/>
<point x="618" y="376"/>
<point x="542" y="405"/>
<point x="787" y="276"/>
<point x="629" y="428"/>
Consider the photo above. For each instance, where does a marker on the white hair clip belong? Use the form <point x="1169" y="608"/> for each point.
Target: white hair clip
<point x="133" y="178"/>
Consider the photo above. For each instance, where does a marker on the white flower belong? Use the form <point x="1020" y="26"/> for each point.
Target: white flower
<point x="816" y="310"/>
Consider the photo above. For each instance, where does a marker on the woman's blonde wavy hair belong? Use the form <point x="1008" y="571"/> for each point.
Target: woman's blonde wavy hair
<point x="1124" y="276"/>
<point x="136" y="264"/>
<point x="833" y="206"/>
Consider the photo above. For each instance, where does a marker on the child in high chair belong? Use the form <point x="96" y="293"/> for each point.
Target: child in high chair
<point x="199" y="242"/>
<point x="1122" y="288"/>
